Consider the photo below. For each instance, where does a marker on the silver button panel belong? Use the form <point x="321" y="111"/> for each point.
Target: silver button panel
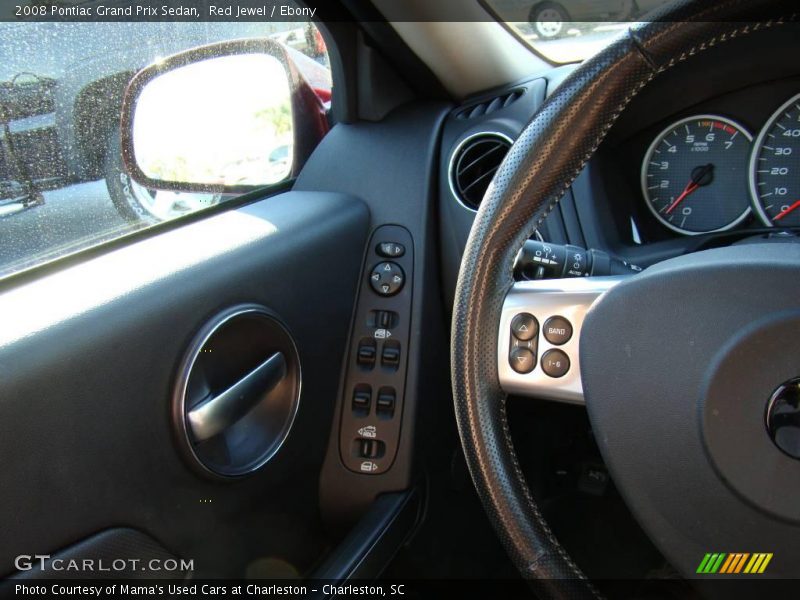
<point x="567" y="298"/>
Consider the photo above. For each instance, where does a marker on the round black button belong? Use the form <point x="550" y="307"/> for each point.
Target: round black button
<point x="555" y="363"/>
<point x="557" y="330"/>
<point x="387" y="278"/>
<point x="524" y="326"/>
<point x="522" y="360"/>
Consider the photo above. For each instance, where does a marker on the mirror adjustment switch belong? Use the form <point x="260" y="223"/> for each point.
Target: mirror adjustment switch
<point x="387" y="278"/>
<point x="367" y="351"/>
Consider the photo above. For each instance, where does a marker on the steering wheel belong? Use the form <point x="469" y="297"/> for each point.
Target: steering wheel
<point x="676" y="391"/>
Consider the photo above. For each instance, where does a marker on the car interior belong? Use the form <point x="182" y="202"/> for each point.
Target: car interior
<point x="477" y="316"/>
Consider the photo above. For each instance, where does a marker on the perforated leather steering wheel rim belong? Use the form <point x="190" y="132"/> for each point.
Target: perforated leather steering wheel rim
<point x="542" y="164"/>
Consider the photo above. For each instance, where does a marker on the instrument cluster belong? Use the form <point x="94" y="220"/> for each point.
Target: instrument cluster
<point x="707" y="172"/>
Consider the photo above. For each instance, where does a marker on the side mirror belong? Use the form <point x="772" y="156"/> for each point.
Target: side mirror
<point x="223" y="118"/>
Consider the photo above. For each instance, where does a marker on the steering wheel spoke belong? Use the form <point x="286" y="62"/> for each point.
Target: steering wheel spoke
<point x="539" y="337"/>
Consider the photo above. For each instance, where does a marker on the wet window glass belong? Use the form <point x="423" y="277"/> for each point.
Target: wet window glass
<point x="63" y="185"/>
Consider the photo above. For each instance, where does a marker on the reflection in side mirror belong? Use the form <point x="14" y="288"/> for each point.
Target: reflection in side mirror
<point x="222" y="118"/>
<point x="216" y="122"/>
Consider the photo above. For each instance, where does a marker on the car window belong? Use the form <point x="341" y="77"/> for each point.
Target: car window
<point x="565" y="31"/>
<point x="63" y="186"/>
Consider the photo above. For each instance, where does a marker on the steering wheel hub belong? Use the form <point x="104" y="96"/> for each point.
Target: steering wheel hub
<point x="677" y="366"/>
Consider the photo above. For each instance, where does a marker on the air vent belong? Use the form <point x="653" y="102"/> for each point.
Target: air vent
<point x="489" y="106"/>
<point x="473" y="166"/>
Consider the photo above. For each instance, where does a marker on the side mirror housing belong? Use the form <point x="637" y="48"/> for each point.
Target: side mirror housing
<point x="223" y="118"/>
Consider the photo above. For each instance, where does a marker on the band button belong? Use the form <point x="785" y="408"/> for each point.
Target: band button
<point x="557" y="330"/>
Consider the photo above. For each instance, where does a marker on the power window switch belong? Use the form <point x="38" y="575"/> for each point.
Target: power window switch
<point x="385" y="402"/>
<point x="390" y="356"/>
<point x="362" y="399"/>
<point x="367" y="351"/>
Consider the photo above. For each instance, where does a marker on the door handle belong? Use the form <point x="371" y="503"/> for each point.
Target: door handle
<point x="215" y="414"/>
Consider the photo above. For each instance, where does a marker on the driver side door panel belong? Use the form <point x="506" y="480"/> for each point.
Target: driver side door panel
<point x="88" y="361"/>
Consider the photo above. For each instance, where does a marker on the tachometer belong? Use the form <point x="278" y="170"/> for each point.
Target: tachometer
<point x="694" y="175"/>
<point x="775" y="168"/>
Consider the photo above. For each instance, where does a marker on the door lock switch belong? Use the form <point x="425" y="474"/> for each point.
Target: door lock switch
<point x="370" y="448"/>
<point x="383" y="319"/>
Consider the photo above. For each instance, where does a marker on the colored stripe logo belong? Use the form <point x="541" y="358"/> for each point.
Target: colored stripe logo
<point x="734" y="563"/>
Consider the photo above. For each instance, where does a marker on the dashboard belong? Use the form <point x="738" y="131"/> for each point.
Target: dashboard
<point x="706" y="155"/>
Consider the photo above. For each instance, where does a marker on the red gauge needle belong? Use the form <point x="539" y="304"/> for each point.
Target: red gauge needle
<point x="786" y="211"/>
<point x="700" y="176"/>
<point x="686" y="191"/>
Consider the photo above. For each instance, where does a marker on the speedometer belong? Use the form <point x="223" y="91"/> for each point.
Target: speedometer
<point x="694" y="175"/>
<point x="775" y="168"/>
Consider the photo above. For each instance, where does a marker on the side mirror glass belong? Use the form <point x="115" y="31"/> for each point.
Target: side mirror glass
<point x="227" y="117"/>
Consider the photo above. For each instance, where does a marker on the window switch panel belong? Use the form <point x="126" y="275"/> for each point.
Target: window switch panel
<point x="372" y="398"/>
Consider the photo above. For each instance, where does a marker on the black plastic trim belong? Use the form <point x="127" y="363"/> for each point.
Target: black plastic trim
<point x="375" y="539"/>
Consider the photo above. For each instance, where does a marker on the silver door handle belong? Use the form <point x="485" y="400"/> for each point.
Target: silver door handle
<point x="216" y="413"/>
